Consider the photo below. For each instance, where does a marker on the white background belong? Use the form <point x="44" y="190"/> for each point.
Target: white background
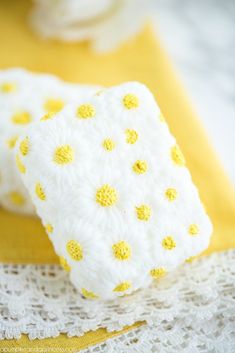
<point x="200" y="38"/>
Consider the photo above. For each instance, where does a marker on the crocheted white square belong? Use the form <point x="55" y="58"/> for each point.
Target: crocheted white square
<point x="111" y="187"/>
<point x="24" y="98"/>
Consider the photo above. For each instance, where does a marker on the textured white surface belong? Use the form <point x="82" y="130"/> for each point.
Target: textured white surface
<point x="190" y="310"/>
<point x="110" y="234"/>
<point x="27" y="94"/>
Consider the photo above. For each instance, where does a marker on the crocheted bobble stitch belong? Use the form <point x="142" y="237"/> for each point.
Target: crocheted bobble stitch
<point x="106" y="196"/>
<point x="7" y="87"/>
<point x="122" y="250"/>
<point x="63" y="154"/>
<point x="21" y="118"/>
<point x="86" y="111"/>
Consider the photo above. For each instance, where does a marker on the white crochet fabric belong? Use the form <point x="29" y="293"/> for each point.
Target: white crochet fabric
<point x="116" y="199"/>
<point x="214" y="335"/>
<point x="106" y="23"/>
<point x="191" y="310"/>
<point x="24" y="98"/>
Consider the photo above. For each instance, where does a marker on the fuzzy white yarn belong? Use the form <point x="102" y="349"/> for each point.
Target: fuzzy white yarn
<point x="106" y="23"/>
<point x="22" y="91"/>
<point x="100" y="233"/>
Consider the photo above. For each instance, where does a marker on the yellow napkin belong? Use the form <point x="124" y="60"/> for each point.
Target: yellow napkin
<point x="22" y="239"/>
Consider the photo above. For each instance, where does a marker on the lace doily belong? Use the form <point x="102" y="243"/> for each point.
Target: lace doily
<point x="39" y="300"/>
<point x="216" y="335"/>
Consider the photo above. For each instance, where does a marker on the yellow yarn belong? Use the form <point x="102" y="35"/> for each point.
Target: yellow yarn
<point x="24" y="146"/>
<point x="157" y="273"/>
<point x="177" y="156"/>
<point x="193" y="229"/>
<point x="131" y="136"/>
<point x="98" y="93"/>
<point x="47" y="116"/>
<point x="86" y="111"/>
<point x="7" y="87"/>
<point x="106" y="196"/>
<point x="161" y="117"/>
<point x="122" y="287"/>
<point x="143" y="212"/>
<point x="40" y="192"/>
<point x="168" y="243"/>
<point x="49" y="228"/>
<point x="88" y="295"/>
<point x="53" y="105"/>
<point x="122" y="250"/>
<point x="74" y="249"/>
<point x="140" y="167"/>
<point x="12" y="141"/>
<point x="130" y="101"/>
<point x="20" y="165"/>
<point x="191" y="259"/>
<point x="108" y="144"/>
<point x="17" y="198"/>
<point x="21" y="118"/>
<point x="63" y="154"/>
<point x="171" y="194"/>
<point x="64" y="264"/>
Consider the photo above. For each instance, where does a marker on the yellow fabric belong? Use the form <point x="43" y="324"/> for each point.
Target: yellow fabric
<point x="54" y="345"/>
<point x="22" y="239"/>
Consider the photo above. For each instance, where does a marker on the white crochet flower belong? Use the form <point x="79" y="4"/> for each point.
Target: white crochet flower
<point x="111" y="187"/>
<point x="25" y="98"/>
<point x="106" y="23"/>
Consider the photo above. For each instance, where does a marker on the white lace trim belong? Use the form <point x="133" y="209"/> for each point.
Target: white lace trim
<point x="38" y="300"/>
<point x="216" y="335"/>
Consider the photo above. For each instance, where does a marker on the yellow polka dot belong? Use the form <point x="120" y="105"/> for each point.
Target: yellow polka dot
<point x="108" y="144"/>
<point x="63" y="154"/>
<point x="47" y="116"/>
<point x="53" y="105"/>
<point x="88" y="294"/>
<point x="193" y="229"/>
<point x="106" y="196"/>
<point x="122" y="250"/>
<point x="130" y="101"/>
<point x="64" y="264"/>
<point x="171" y="194"/>
<point x="140" y="167"/>
<point x="177" y="156"/>
<point x="7" y="87"/>
<point x="75" y="250"/>
<point x="49" y="228"/>
<point x="143" y="212"/>
<point x="86" y="111"/>
<point x="40" y="192"/>
<point x="12" y="141"/>
<point x="158" y="272"/>
<point x="17" y="198"/>
<point x="190" y="259"/>
<point x="20" y="165"/>
<point x="161" y="117"/>
<point x="122" y="287"/>
<point x="24" y="146"/>
<point x="98" y="93"/>
<point x="131" y="136"/>
<point x="21" y="118"/>
<point x="168" y="243"/>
